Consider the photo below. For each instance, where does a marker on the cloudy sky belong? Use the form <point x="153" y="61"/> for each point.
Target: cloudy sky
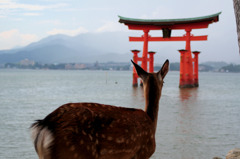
<point x="26" y="21"/>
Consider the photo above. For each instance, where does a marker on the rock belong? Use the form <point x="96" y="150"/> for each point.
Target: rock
<point x="217" y="158"/>
<point x="233" y="154"/>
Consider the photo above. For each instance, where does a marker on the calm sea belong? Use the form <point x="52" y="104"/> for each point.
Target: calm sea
<point x="196" y="123"/>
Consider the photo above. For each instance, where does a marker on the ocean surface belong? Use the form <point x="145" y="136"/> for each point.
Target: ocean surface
<point x="198" y="123"/>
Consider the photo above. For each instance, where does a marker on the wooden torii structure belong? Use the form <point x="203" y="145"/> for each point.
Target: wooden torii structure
<point x="188" y="74"/>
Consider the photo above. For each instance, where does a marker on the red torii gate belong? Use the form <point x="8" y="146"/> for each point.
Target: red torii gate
<point x="187" y="76"/>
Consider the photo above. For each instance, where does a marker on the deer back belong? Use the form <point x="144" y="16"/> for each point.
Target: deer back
<point x="91" y="130"/>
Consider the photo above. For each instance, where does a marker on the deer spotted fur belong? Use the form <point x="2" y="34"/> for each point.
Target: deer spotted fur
<point x="98" y="131"/>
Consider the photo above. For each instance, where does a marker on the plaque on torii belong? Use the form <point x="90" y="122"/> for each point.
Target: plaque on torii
<point x="188" y="72"/>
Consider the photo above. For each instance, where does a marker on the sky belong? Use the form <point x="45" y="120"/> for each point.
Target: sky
<point x="26" y="21"/>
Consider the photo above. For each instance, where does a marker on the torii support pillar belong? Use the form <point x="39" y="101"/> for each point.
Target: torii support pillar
<point x="183" y="68"/>
<point x="195" y="73"/>
<point x="151" y="61"/>
<point x="135" y="59"/>
<point x="187" y="81"/>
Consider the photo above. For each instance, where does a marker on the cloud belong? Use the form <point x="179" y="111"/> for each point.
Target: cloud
<point x="52" y="22"/>
<point x="8" y="4"/>
<point x="68" y="32"/>
<point x="13" y="38"/>
<point x="31" y="14"/>
<point x="10" y="8"/>
<point x="111" y="27"/>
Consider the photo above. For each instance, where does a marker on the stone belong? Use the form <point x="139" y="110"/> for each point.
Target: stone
<point x="233" y="154"/>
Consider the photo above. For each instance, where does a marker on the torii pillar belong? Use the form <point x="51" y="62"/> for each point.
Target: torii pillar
<point x="151" y="61"/>
<point x="195" y="72"/>
<point x="188" y="60"/>
<point x="145" y="50"/>
<point x="186" y="68"/>
<point x="135" y="59"/>
<point x="183" y="68"/>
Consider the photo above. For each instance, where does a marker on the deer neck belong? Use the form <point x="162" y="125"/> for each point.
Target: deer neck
<point x="152" y="97"/>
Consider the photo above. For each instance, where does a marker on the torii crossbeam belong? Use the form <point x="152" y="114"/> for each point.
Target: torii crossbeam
<point x="187" y="72"/>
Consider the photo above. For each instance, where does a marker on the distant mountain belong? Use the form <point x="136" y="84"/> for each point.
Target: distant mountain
<point x="230" y="68"/>
<point x="89" y="47"/>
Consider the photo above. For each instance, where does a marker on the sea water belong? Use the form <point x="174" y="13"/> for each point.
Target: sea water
<point x="198" y="123"/>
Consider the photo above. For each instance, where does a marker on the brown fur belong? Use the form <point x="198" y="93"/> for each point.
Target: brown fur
<point x="97" y="131"/>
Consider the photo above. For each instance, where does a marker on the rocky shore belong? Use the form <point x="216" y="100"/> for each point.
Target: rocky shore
<point x="232" y="154"/>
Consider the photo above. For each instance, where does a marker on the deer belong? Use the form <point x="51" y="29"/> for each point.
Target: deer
<point x="99" y="131"/>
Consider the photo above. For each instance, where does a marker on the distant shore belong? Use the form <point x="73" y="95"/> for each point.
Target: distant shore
<point x="117" y="66"/>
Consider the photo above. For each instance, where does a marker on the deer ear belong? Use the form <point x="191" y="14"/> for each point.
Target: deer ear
<point x="164" y="70"/>
<point x="141" y="73"/>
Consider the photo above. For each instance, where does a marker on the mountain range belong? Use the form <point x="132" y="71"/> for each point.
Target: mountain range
<point x="91" y="47"/>
<point x="83" y="48"/>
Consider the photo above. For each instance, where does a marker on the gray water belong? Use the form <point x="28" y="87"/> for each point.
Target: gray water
<point x="198" y="123"/>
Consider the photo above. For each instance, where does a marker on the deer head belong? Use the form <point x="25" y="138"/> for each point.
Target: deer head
<point x="152" y="84"/>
